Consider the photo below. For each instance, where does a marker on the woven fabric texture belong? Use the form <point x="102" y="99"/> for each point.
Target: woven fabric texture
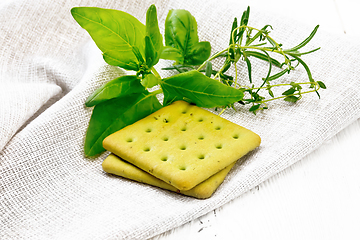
<point x="48" y="67"/>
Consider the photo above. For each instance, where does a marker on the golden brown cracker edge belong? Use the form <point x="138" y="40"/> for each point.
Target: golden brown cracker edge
<point x="115" y="165"/>
<point x="182" y="144"/>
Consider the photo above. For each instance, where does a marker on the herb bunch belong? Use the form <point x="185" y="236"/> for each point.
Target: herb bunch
<point x="133" y="46"/>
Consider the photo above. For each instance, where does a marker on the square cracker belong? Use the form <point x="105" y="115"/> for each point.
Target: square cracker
<point x="182" y="144"/>
<point x="115" y="165"/>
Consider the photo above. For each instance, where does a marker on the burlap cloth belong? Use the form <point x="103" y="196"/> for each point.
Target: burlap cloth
<point x="48" y="67"/>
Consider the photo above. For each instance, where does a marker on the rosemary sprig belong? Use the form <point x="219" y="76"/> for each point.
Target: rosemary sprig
<point x="247" y="42"/>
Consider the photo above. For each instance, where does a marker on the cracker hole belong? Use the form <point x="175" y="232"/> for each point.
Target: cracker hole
<point x="201" y="137"/>
<point x="129" y="140"/>
<point x="182" y="168"/>
<point x="184" y="112"/>
<point x="183" y="129"/>
<point x="147" y="149"/>
<point x="182" y="147"/>
<point x="202" y="156"/>
<point x="219" y="146"/>
<point x="217" y="128"/>
<point x="165" y="139"/>
<point x="236" y="136"/>
<point x="200" y="120"/>
<point x="164" y="159"/>
<point x="166" y="120"/>
<point x="148" y="130"/>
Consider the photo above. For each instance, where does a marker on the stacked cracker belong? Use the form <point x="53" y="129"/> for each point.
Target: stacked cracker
<point x="181" y="148"/>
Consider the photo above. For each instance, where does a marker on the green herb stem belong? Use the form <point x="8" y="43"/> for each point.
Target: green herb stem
<point x="272" y="99"/>
<point x="153" y="70"/>
<point x="283" y="84"/>
<point x="156" y="92"/>
<point x="294" y="94"/>
<point x="212" y="58"/>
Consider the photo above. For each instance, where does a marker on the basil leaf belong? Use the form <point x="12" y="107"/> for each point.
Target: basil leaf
<point x="198" y="53"/>
<point x="170" y="53"/>
<point x="118" y="35"/>
<point x="180" y="29"/>
<point x="181" y="34"/>
<point x="117" y="87"/>
<point x="149" y="52"/>
<point x="200" y="89"/>
<point x="154" y="42"/>
<point x="150" y="81"/>
<point x="173" y="98"/>
<point x="115" y="114"/>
